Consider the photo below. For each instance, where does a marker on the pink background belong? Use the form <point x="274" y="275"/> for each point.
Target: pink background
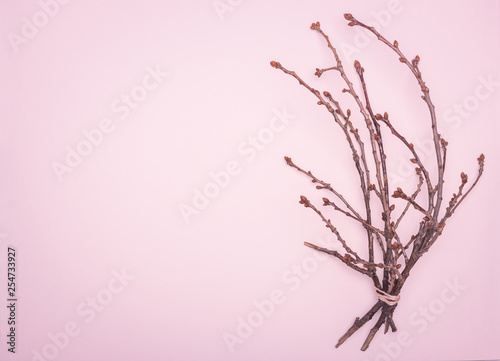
<point x="118" y="211"/>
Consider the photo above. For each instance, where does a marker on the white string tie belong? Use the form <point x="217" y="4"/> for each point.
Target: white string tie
<point x="391" y="300"/>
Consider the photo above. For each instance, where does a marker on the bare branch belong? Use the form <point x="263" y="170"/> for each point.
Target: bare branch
<point x="391" y="240"/>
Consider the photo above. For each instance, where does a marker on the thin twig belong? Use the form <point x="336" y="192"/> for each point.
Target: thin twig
<point x="393" y="244"/>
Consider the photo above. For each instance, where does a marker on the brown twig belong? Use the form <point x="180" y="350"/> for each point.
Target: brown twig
<point x="392" y="244"/>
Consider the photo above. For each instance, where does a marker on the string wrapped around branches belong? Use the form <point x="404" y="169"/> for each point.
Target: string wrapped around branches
<point x="399" y="253"/>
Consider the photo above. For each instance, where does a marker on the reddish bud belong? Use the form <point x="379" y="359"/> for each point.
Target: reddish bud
<point x="274" y="64"/>
<point x="315" y="26"/>
<point x="386" y="116"/>
<point x="396" y="44"/>
<point x="348" y="112"/>
<point x="304" y="201"/>
<point x="403" y="60"/>
<point x="398" y="193"/>
<point x="398" y="266"/>
<point x="352" y="23"/>
<point x="357" y="65"/>
<point x="319" y="102"/>
<point x="392" y="207"/>
<point x="378" y="116"/>
<point x="348" y="258"/>
<point x="348" y="16"/>
<point x="413" y="160"/>
<point x="326" y="94"/>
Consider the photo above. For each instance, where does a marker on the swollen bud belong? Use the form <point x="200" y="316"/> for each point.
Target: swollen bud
<point x="304" y="201"/>
<point x="315" y="26"/>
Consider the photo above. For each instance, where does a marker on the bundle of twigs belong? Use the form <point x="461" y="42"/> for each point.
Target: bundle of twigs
<point x="399" y="254"/>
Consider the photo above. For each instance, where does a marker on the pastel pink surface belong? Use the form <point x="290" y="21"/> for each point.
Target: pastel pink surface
<point x="176" y="106"/>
